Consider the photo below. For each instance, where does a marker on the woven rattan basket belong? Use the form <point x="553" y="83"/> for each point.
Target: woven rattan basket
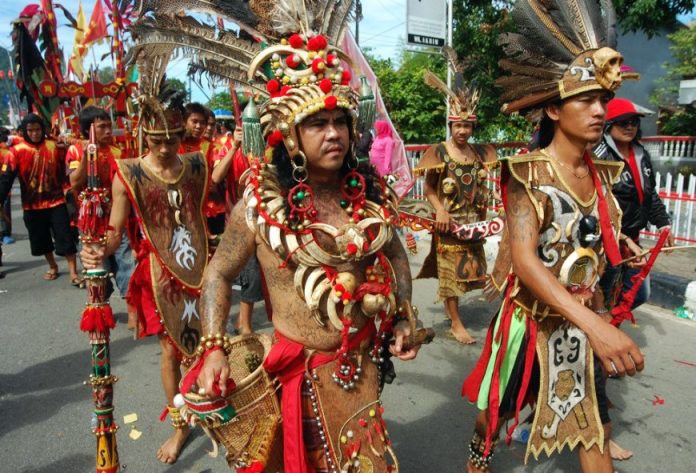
<point x="252" y="434"/>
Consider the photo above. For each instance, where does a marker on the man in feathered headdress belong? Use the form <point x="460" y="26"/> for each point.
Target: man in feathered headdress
<point x="549" y="342"/>
<point x="320" y="223"/>
<point x="159" y="199"/>
<point x="455" y="173"/>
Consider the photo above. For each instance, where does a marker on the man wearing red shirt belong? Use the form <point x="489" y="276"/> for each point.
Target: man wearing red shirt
<point x="38" y="161"/>
<point x="121" y="263"/>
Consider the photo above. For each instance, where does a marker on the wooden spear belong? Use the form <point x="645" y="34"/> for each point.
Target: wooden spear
<point x="97" y="317"/>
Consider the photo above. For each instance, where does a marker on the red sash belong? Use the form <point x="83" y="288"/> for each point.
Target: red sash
<point x="287" y="361"/>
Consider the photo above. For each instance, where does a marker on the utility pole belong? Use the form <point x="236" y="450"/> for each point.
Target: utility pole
<point x="450" y="72"/>
<point x="358" y="17"/>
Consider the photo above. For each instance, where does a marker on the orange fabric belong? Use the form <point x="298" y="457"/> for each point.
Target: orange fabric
<point x="215" y="200"/>
<point x="41" y="172"/>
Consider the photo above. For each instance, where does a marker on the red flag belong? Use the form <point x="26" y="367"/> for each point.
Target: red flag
<point x="96" y="30"/>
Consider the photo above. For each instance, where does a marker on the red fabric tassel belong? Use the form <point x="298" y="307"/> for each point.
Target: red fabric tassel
<point x="622" y="311"/>
<point x="611" y="247"/>
<point x="191" y="376"/>
<point x="255" y="467"/>
<point x="494" y="395"/>
<point x="529" y="358"/>
<point x="97" y="319"/>
<point x="93" y="218"/>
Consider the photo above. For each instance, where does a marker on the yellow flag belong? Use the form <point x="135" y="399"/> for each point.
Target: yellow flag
<point x="78" y="52"/>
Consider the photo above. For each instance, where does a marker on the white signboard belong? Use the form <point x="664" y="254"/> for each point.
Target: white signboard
<point x="426" y="22"/>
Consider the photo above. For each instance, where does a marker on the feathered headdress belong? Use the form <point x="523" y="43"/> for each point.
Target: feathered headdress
<point x="463" y="99"/>
<point x="163" y="114"/>
<point x="562" y="48"/>
<point x="284" y="49"/>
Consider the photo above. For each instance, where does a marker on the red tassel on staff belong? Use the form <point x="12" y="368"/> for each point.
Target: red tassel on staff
<point x="97" y="319"/>
<point x="92" y="217"/>
<point x="623" y="311"/>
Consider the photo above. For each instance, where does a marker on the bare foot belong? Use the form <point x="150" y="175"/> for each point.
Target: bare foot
<point x="618" y="453"/>
<point x="461" y="335"/>
<point x="132" y="318"/>
<point x="245" y="330"/>
<point x="170" y="449"/>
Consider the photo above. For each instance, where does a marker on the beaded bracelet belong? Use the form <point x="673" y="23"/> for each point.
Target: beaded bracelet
<point x="214" y="341"/>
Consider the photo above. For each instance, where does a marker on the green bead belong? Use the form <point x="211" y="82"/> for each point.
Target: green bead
<point x="353" y="182"/>
<point x="300" y="195"/>
<point x="344" y="203"/>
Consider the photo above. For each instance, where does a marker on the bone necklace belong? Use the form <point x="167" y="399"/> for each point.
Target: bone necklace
<point x="329" y="294"/>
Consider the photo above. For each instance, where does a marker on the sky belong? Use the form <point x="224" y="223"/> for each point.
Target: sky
<point x="383" y="30"/>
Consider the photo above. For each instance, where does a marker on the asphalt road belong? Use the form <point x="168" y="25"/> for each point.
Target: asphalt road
<point x="45" y="409"/>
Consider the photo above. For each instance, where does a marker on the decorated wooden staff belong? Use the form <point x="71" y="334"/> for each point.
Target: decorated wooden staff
<point x="97" y="318"/>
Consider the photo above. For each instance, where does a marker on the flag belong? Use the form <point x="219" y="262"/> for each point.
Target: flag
<point x="79" y="50"/>
<point x="96" y="31"/>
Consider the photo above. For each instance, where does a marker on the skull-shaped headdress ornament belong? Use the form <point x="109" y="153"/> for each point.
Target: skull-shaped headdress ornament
<point x="562" y="48"/>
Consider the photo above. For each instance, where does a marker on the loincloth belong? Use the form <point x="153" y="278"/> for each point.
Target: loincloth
<point x="548" y="363"/>
<point x="460" y="268"/>
<point x="324" y="425"/>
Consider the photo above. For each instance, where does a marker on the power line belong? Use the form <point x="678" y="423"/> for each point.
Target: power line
<point x="385" y="31"/>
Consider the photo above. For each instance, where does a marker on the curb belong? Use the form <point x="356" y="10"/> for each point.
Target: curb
<point x="670" y="291"/>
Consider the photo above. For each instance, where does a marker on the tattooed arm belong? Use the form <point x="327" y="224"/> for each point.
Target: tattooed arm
<point x="616" y="350"/>
<point x="234" y="251"/>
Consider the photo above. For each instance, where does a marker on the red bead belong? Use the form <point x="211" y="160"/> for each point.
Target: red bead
<point x="325" y="85"/>
<point x="346" y="77"/>
<point x="330" y="102"/>
<point x="273" y="86"/>
<point x="318" y="65"/>
<point x="284" y="90"/>
<point x="275" y="138"/>
<point x="317" y="43"/>
<point x="351" y="248"/>
<point x="292" y="61"/>
<point x="296" y="41"/>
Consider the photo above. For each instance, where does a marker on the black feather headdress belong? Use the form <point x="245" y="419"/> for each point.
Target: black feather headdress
<point x="562" y="48"/>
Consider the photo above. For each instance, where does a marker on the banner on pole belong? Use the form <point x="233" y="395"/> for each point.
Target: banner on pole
<point x="426" y="22"/>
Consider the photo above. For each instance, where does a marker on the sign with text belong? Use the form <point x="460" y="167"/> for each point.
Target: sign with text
<point x="426" y="22"/>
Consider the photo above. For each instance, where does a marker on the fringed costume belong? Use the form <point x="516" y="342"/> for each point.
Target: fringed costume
<point x="459" y="266"/>
<point x="532" y="354"/>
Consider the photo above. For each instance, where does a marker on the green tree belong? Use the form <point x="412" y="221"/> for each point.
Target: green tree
<point x="477" y="26"/>
<point x="220" y="100"/>
<point x="677" y="120"/>
<point x="650" y="16"/>
<point x="176" y="84"/>
<point x="417" y="111"/>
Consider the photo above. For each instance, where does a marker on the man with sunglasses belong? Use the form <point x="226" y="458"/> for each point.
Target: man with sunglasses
<point x="635" y="192"/>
